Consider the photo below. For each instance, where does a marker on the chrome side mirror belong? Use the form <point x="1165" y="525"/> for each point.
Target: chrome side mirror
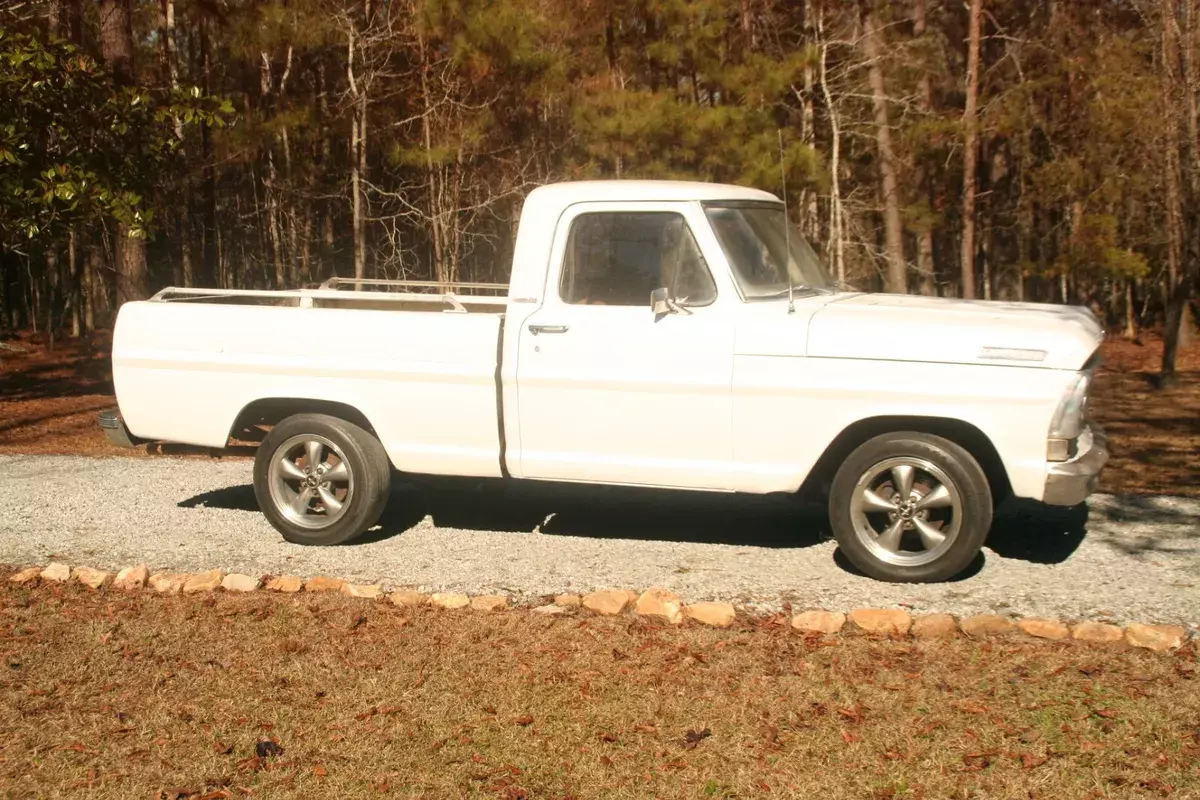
<point x="660" y="302"/>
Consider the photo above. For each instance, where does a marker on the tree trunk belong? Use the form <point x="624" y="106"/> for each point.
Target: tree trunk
<point x="76" y="285"/>
<point x="116" y="48"/>
<point x="925" y="265"/>
<point x="209" y="272"/>
<point x="897" y="273"/>
<point x="65" y="20"/>
<point x="1180" y="106"/>
<point x="433" y="177"/>
<point x="181" y="216"/>
<point x="357" y="148"/>
<point x="325" y="252"/>
<point x="809" y="218"/>
<point x="1130" y="313"/>
<point x="837" y="235"/>
<point x="90" y="264"/>
<point x="970" y="122"/>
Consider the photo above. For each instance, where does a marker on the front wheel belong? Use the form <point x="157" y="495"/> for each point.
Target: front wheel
<point x="321" y="480"/>
<point x="910" y="507"/>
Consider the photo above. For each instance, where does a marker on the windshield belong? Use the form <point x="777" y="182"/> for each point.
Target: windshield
<point x="755" y="242"/>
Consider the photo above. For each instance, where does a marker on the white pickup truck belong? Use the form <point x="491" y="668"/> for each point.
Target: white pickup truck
<point x="659" y="334"/>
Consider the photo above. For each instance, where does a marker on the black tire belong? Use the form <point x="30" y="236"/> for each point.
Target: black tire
<point x="864" y="533"/>
<point x="361" y="501"/>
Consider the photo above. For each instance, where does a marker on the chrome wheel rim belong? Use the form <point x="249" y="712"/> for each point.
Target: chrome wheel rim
<point x="906" y="511"/>
<point x="311" y="481"/>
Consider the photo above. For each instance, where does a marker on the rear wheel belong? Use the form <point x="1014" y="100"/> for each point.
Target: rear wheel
<point x="910" y="507"/>
<point x="321" y="480"/>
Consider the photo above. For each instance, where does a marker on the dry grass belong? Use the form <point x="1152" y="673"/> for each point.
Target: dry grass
<point x="120" y="695"/>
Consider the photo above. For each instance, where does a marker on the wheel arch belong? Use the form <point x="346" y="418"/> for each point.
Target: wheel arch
<point x="271" y="411"/>
<point x="964" y="434"/>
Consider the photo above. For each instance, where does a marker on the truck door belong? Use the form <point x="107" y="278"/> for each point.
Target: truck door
<point x="609" y="391"/>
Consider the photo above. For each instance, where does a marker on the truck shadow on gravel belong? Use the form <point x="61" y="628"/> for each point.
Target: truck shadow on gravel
<point x="1023" y="530"/>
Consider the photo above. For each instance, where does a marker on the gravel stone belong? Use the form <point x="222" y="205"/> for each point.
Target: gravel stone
<point x="27" y="575"/>
<point x="1159" y="638"/>
<point x="288" y="584"/>
<point x="1044" y="628"/>
<point x="203" y="582"/>
<point x="489" y="602"/>
<point x="369" y="591"/>
<point x="132" y="577"/>
<point x="934" y="626"/>
<point x="91" y="578"/>
<point x="881" y="620"/>
<point x="409" y="598"/>
<point x="718" y="615"/>
<point x="237" y="582"/>
<point x="56" y="571"/>
<point x="819" y="621"/>
<point x="1097" y="633"/>
<point x="168" y="582"/>
<point x="660" y="603"/>
<point x="609" y="601"/>
<point x="449" y="600"/>
<point x="323" y="583"/>
<point x="1136" y="557"/>
<point x="981" y="626"/>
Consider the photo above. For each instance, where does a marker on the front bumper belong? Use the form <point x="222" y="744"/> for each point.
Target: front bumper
<point x="1068" y="483"/>
<point x="115" y="429"/>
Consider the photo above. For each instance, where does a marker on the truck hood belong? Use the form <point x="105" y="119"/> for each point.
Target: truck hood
<point x="912" y="328"/>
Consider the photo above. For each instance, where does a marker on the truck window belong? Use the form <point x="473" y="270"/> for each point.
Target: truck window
<point x="619" y="258"/>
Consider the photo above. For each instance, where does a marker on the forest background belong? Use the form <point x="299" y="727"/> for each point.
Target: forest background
<point x="1037" y="150"/>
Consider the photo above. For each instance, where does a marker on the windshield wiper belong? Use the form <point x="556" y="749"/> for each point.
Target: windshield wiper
<point x="798" y="289"/>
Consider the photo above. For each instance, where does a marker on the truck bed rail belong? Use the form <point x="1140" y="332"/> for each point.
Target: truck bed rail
<point x="444" y="286"/>
<point x="329" y="296"/>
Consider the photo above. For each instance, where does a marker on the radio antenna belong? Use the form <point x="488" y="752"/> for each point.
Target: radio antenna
<point x="787" y="224"/>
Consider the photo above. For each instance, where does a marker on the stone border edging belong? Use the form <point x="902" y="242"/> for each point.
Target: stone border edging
<point x="656" y="603"/>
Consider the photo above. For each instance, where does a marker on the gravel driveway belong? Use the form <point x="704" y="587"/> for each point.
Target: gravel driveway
<point x="1125" y="559"/>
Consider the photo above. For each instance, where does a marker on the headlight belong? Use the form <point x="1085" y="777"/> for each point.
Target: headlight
<point x="1071" y="414"/>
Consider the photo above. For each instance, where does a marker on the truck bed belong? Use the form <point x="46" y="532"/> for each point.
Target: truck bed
<point x="419" y="361"/>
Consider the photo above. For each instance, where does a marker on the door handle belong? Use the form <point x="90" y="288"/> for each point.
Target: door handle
<point x="536" y="329"/>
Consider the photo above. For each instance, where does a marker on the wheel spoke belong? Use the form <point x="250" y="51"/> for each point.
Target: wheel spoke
<point x="302" y="499"/>
<point x="873" y="502"/>
<point x="938" y="498"/>
<point x="332" y="504"/>
<point x="312" y="453"/>
<point x="290" y="470"/>
<point x="902" y="480"/>
<point x="338" y="473"/>
<point x="931" y="537"/>
<point x="890" y="539"/>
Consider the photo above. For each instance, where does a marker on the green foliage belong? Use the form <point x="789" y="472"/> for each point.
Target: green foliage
<point x="1093" y="249"/>
<point x="75" y="146"/>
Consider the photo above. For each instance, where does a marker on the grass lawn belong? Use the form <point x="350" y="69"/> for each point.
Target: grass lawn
<point x="137" y="695"/>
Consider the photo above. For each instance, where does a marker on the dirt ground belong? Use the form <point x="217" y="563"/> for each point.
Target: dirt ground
<point x="138" y="695"/>
<point x="49" y="401"/>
